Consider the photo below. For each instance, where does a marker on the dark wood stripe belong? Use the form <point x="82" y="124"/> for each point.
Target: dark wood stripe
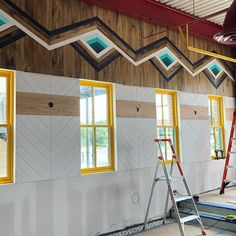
<point x="10" y="35"/>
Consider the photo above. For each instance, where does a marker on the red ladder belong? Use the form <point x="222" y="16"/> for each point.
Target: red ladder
<point x="225" y="182"/>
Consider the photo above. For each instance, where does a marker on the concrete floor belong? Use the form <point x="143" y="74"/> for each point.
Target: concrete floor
<point x="228" y="198"/>
<point x="190" y="230"/>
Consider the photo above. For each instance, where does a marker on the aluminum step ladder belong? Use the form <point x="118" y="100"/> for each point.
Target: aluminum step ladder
<point x="231" y="144"/>
<point x="169" y="178"/>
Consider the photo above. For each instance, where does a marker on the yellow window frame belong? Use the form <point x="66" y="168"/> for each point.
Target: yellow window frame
<point x="219" y="99"/>
<point x="175" y="119"/>
<point x="9" y="125"/>
<point x="110" y="125"/>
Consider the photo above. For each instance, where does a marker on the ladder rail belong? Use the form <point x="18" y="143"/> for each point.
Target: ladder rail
<point x="170" y="193"/>
<point x="167" y="195"/>
<point x="152" y="190"/>
<point x="223" y="183"/>
<point x="187" y="187"/>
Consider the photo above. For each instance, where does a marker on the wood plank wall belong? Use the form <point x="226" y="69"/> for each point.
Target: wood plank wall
<point x="28" y="55"/>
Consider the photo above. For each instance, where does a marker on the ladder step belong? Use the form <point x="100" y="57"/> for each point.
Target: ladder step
<point x="189" y="218"/>
<point x="181" y="199"/>
<point x="173" y="178"/>
<point x="233" y="152"/>
<point x="234" y="139"/>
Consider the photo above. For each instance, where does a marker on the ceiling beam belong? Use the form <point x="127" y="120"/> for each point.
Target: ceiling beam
<point x="155" y="12"/>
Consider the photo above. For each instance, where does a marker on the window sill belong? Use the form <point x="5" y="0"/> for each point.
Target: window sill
<point x="96" y="170"/>
<point x="217" y="159"/>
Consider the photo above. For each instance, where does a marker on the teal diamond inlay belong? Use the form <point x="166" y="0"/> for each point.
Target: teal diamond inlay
<point x="97" y="43"/>
<point x="3" y="20"/>
<point x="215" y="69"/>
<point x="167" y="59"/>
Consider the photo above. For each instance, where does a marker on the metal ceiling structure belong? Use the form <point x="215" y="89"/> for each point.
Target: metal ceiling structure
<point x="201" y="8"/>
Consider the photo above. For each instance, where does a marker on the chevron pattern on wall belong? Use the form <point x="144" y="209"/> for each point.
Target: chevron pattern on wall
<point x="127" y="144"/>
<point x="100" y="45"/>
<point x="195" y="140"/>
<point x="32" y="148"/>
<point x="147" y="147"/>
<point x="32" y="83"/>
<point x="64" y="86"/>
<point x="135" y="135"/>
<point x="47" y="146"/>
<point x="65" y="147"/>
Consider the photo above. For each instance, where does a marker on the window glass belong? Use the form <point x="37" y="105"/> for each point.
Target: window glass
<point x="87" y="148"/>
<point x="168" y="109"/>
<point x="100" y="107"/>
<point x="159" y="109"/>
<point x="166" y="124"/>
<point x="217" y="127"/>
<point x="3" y="152"/>
<point x="3" y="100"/>
<point x="85" y="105"/>
<point x="96" y="127"/>
<point x="102" y="139"/>
<point x="6" y="126"/>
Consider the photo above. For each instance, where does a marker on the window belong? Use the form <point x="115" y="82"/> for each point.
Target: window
<point x="6" y="126"/>
<point x="217" y="127"/>
<point x="167" y="121"/>
<point x="97" y="131"/>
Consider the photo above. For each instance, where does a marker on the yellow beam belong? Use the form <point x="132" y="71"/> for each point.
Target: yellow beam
<point x="212" y="54"/>
<point x="204" y="52"/>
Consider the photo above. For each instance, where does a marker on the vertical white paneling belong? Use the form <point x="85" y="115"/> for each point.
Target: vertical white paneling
<point x="32" y="83"/>
<point x="147" y="131"/>
<point x="192" y="99"/>
<point x="32" y="148"/>
<point x="127" y="143"/>
<point x="125" y="92"/>
<point x="65" y="133"/>
<point x="145" y="94"/>
<point x="229" y="102"/>
<point x="147" y="147"/>
<point x="32" y="161"/>
<point x="65" y="146"/>
<point x="195" y="141"/>
<point x="64" y="86"/>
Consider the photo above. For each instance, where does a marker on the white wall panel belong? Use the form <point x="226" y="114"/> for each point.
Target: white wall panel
<point x="147" y="147"/>
<point x="127" y="143"/>
<point x="65" y="146"/>
<point x="64" y="86"/>
<point x="32" y="148"/>
<point x="195" y="139"/>
<point x="32" y="83"/>
<point x="145" y="94"/>
<point x="125" y="92"/>
<point x="229" y="102"/>
<point x="193" y="99"/>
